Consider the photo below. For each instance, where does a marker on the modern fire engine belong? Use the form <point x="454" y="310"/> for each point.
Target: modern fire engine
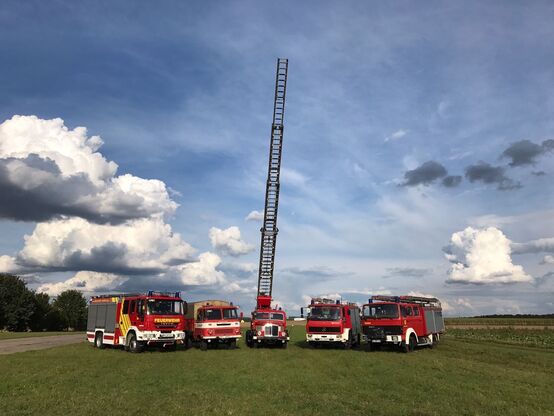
<point x="212" y="322"/>
<point x="404" y="321"/>
<point x="334" y="322"/>
<point x="270" y="325"/>
<point x="136" y="320"/>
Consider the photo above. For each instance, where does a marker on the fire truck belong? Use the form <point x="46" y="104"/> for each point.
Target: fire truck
<point x="136" y="320"/>
<point x="269" y="325"/>
<point x="212" y="322"/>
<point x="333" y="322"/>
<point x="406" y="322"/>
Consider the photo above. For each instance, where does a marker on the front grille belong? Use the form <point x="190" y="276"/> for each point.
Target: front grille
<point x="378" y="332"/>
<point x="271" y="331"/>
<point x="324" y="329"/>
<point x="166" y="326"/>
<point x="224" y="331"/>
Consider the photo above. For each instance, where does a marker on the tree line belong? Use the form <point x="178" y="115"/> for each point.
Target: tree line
<point x="22" y="309"/>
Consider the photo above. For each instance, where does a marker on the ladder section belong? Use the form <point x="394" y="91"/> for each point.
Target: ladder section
<point x="269" y="229"/>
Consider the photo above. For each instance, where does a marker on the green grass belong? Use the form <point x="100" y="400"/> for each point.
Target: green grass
<point x="13" y="335"/>
<point x="459" y="377"/>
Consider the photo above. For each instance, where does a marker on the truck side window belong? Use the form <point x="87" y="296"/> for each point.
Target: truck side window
<point x="409" y="311"/>
<point x="126" y="307"/>
<point x="132" y="307"/>
<point x="416" y="311"/>
<point x="404" y="311"/>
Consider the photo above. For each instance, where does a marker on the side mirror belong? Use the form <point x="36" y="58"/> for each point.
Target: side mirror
<point x="185" y="307"/>
<point x="302" y="312"/>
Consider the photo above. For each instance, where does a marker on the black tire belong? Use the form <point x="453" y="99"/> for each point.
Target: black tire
<point x="248" y="338"/>
<point x="134" y="345"/>
<point x="188" y="340"/>
<point x="99" y="340"/>
<point x="203" y="345"/>
<point x="348" y="344"/>
<point x="436" y="339"/>
<point x="233" y="344"/>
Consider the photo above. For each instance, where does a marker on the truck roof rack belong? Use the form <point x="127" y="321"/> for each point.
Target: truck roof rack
<point x="328" y="301"/>
<point x="127" y="295"/>
<point x="407" y="299"/>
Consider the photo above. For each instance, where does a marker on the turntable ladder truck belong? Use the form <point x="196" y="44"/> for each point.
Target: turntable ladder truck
<point x="269" y="326"/>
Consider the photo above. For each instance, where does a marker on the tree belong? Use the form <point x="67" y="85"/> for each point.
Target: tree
<point x="39" y="319"/>
<point x="72" y="307"/>
<point x="16" y="303"/>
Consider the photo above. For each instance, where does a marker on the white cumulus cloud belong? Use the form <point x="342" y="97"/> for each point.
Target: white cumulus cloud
<point x="482" y="256"/>
<point x="229" y="242"/>
<point x="48" y="170"/>
<point x="396" y="135"/>
<point x="139" y="246"/>
<point x="86" y="282"/>
<point x="255" y="216"/>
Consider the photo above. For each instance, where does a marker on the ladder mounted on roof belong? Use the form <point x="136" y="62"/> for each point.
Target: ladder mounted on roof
<point x="269" y="229"/>
<point x="406" y="299"/>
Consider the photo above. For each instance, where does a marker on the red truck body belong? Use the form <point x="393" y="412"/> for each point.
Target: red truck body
<point x="402" y="321"/>
<point x="212" y="322"/>
<point x="333" y="322"/>
<point x="136" y="320"/>
<point x="268" y="326"/>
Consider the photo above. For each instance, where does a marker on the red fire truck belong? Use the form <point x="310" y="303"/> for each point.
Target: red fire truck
<point x="402" y="321"/>
<point x="136" y="320"/>
<point x="212" y="322"/>
<point x="332" y="321"/>
<point x="268" y="326"/>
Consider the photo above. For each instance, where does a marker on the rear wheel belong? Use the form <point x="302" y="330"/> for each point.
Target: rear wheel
<point x="99" y="340"/>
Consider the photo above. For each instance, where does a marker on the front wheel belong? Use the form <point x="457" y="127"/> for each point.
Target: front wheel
<point x="233" y="344"/>
<point x="249" y="340"/>
<point x="134" y="345"/>
<point x="410" y="345"/>
<point x="284" y="345"/>
<point x="348" y="344"/>
<point x="204" y="345"/>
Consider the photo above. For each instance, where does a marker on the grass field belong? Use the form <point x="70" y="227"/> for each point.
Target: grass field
<point x="14" y="335"/>
<point x="500" y="321"/>
<point x="462" y="376"/>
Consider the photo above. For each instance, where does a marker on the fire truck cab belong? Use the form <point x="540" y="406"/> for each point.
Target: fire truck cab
<point x="403" y="321"/>
<point x="268" y="326"/>
<point x="333" y="322"/>
<point x="213" y="322"/>
<point x="136" y="320"/>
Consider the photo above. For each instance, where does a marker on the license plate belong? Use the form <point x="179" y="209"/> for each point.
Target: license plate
<point x="166" y="335"/>
<point x="376" y="340"/>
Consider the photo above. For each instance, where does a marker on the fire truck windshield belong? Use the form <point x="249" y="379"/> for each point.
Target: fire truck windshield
<point x="267" y="315"/>
<point x="230" y="314"/>
<point x="164" y="307"/>
<point x="381" y="311"/>
<point x="324" y="313"/>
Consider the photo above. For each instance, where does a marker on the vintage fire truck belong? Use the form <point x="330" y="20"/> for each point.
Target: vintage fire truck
<point x="268" y="326"/>
<point x="333" y="322"/>
<point x="212" y="322"/>
<point x="136" y="320"/>
<point x="403" y="321"/>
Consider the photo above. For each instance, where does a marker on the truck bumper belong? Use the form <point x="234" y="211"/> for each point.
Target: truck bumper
<point x="274" y="340"/>
<point x="326" y="338"/>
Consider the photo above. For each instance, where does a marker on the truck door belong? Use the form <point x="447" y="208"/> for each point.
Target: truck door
<point x="418" y="322"/>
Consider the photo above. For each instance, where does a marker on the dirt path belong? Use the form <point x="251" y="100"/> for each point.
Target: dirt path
<point x="10" y="346"/>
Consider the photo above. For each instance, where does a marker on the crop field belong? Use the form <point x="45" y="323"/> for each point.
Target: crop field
<point x="525" y="322"/>
<point x="465" y="375"/>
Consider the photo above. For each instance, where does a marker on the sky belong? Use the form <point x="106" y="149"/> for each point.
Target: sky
<point x="418" y="149"/>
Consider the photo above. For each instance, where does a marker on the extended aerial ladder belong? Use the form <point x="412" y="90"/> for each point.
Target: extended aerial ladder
<point x="269" y="230"/>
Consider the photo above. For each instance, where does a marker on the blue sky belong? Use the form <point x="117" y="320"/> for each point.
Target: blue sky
<point x="182" y="93"/>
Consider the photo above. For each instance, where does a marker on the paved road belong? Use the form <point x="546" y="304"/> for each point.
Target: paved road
<point x="9" y="346"/>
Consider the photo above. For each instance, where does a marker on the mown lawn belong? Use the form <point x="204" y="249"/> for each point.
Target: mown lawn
<point x="459" y="377"/>
<point x="14" y="335"/>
